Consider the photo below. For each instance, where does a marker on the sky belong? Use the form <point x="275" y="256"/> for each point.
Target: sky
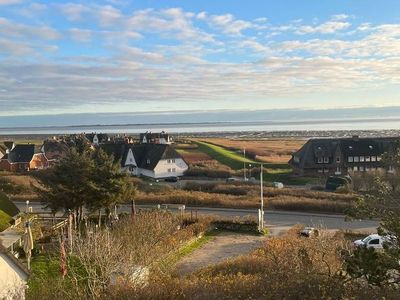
<point x="75" y="57"/>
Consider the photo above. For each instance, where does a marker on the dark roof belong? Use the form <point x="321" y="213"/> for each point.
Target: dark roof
<point x="146" y="156"/>
<point x="55" y="149"/>
<point x="101" y="136"/>
<point x="152" y="137"/>
<point x="22" y="153"/>
<point x="118" y="150"/>
<point x="151" y="154"/>
<point x="320" y="148"/>
<point x="8" y="144"/>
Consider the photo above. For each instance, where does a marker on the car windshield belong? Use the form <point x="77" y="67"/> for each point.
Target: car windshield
<point x="366" y="240"/>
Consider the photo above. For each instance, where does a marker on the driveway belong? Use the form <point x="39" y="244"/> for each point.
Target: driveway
<point x="224" y="246"/>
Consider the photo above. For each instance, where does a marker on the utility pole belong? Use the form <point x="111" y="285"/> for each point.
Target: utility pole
<point x="244" y="164"/>
<point x="262" y="199"/>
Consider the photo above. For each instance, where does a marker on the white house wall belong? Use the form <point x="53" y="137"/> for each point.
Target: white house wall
<point x="161" y="170"/>
<point x="130" y="159"/>
<point x="12" y="279"/>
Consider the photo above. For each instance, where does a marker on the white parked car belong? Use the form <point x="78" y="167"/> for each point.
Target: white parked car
<point x="374" y="241"/>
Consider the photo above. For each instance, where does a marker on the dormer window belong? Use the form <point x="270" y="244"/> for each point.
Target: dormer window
<point x="351" y="159"/>
<point x="326" y="160"/>
<point x="338" y="159"/>
<point x="320" y="160"/>
<point x="148" y="161"/>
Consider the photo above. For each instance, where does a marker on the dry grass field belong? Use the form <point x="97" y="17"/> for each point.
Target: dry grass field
<point x="270" y="151"/>
<point x="193" y="156"/>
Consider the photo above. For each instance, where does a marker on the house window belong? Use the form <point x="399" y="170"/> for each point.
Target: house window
<point x="368" y="158"/>
<point x="356" y="159"/>
<point x="373" y="158"/>
<point x="173" y="170"/>
<point x="391" y="169"/>
<point x="168" y="161"/>
<point x="362" y="169"/>
<point x="351" y="159"/>
<point x="326" y="160"/>
<point x="338" y="159"/>
<point x="169" y="170"/>
<point x="355" y="169"/>
<point x="173" y="161"/>
<point x="326" y="170"/>
<point x="320" y="170"/>
<point x="378" y="158"/>
<point x="148" y="161"/>
<point x="349" y="169"/>
<point x="362" y="158"/>
<point x="320" y="160"/>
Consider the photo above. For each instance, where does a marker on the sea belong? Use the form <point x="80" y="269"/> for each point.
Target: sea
<point x="353" y="119"/>
<point x="214" y="127"/>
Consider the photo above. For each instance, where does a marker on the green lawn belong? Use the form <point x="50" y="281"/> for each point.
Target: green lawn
<point x="4" y="220"/>
<point x="227" y="157"/>
<point x="272" y="172"/>
<point x="7" y="206"/>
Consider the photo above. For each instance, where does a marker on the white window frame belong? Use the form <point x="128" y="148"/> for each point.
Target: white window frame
<point x="320" y="160"/>
<point x="326" y="160"/>
<point x="356" y="159"/>
<point x="350" y="159"/>
<point x="373" y="158"/>
<point x="362" y="158"/>
<point x="338" y="159"/>
<point x="367" y="158"/>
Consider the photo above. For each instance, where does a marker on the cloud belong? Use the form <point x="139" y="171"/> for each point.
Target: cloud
<point x="12" y="29"/>
<point x="226" y="23"/>
<point x="161" y="56"/>
<point x="172" y="22"/>
<point x="74" y="11"/>
<point x="327" y="27"/>
<point x="9" y="2"/>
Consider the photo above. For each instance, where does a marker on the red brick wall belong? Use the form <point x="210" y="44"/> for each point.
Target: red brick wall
<point x="39" y="161"/>
<point x="5" y="165"/>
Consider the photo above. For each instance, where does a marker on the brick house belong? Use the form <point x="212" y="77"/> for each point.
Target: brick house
<point x="24" y="158"/>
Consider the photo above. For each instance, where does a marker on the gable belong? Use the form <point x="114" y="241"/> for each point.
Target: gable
<point x="130" y="158"/>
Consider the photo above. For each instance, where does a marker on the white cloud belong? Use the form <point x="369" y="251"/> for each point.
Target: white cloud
<point x="9" y="2"/>
<point x="74" y="11"/>
<point x="108" y="15"/>
<point x="172" y="22"/>
<point x="324" y="28"/>
<point x="228" y="24"/>
<point x="16" y="30"/>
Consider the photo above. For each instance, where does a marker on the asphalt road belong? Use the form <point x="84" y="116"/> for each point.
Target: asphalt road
<point x="276" y="221"/>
